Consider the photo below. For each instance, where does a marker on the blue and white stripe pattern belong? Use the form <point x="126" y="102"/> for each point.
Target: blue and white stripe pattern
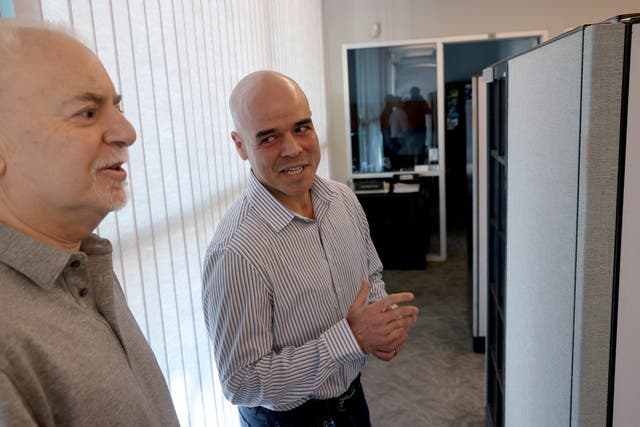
<point x="277" y="288"/>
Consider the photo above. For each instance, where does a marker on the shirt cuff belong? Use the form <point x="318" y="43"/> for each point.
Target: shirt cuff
<point x="342" y="344"/>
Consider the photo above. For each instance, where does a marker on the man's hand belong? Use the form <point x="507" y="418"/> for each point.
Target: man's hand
<point x="381" y="328"/>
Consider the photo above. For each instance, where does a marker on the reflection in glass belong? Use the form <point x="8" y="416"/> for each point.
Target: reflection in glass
<point x="392" y="99"/>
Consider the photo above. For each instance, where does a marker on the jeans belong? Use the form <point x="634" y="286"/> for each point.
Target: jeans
<point x="348" y="410"/>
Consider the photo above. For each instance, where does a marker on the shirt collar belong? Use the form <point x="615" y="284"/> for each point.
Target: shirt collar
<point x="275" y="214"/>
<point x="39" y="261"/>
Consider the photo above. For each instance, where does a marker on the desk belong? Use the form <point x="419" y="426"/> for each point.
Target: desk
<point x="399" y="224"/>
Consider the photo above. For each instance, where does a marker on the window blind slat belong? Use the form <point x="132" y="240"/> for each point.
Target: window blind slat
<point x="175" y="63"/>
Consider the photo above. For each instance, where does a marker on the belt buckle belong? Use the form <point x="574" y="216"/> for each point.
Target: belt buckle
<point x="348" y="395"/>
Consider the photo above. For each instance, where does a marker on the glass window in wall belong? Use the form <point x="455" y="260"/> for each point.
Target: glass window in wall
<point x="392" y="101"/>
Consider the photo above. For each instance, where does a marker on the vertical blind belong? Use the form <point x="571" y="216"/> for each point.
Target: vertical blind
<point x="175" y="63"/>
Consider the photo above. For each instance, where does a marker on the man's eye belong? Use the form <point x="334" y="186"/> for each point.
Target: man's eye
<point x="88" y="114"/>
<point x="302" y="129"/>
<point x="267" y="139"/>
<point x="119" y="107"/>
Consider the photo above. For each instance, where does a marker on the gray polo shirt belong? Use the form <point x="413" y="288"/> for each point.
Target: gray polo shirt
<point x="71" y="352"/>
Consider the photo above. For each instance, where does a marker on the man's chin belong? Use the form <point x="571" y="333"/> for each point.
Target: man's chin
<point x="113" y="200"/>
<point x="116" y="206"/>
<point x="119" y="199"/>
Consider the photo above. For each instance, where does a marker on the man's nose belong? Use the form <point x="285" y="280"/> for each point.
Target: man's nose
<point x="119" y="129"/>
<point x="290" y="147"/>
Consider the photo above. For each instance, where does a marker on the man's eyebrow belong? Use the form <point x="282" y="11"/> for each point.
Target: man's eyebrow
<point x="89" y="96"/>
<point x="265" y="132"/>
<point x="94" y="97"/>
<point x="303" y="122"/>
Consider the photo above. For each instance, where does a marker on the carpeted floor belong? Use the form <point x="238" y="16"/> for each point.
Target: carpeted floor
<point x="436" y="380"/>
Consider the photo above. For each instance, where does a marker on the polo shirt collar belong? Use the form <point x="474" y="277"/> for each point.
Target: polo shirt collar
<point x="39" y="261"/>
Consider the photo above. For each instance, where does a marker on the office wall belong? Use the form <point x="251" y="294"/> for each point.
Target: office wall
<point x="461" y="60"/>
<point x="351" y="21"/>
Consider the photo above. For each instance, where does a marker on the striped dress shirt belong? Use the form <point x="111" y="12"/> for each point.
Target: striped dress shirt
<point x="276" y="291"/>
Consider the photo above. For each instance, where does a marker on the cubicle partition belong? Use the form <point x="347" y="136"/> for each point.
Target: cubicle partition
<point x="566" y="130"/>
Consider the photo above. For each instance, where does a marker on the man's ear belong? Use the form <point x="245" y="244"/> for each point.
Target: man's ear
<point x="240" y="147"/>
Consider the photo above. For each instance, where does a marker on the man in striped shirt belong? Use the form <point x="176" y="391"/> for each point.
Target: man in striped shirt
<point x="293" y="295"/>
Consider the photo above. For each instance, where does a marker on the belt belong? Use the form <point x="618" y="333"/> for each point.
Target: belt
<point x="320" y="405"/>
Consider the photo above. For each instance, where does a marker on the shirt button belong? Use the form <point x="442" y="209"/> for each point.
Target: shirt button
<point x="75" y="264"/>
<point x="83" y="292"/>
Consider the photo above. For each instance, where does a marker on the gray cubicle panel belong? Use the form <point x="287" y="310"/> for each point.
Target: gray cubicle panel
<point x="600" y="139"/>
<point x="627" y="355"/>
<point x="564" y="101"/>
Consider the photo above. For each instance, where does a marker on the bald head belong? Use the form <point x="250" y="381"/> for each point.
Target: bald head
<point x="11" y="34"/>
<point x="28" y="48"/>
<point x="256" y="91"/>
<point x="20" y="40"/>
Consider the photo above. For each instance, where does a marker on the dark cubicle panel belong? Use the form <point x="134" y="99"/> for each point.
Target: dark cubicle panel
<point x="496" y="156"/>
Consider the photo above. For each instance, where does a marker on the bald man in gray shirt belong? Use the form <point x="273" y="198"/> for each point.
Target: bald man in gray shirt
<point x="71" y="352"/>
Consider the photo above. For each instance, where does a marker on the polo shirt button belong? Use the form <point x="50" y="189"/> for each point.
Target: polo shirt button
<point x="83" y="292"/>
<point x="75" y="264"/>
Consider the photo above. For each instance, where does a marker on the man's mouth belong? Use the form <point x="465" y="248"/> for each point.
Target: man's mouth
<point x="113" y="171"/>
<point x="294" y="171"/>
<point x="112" y="161"/>
<point x="115" y="166"/>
